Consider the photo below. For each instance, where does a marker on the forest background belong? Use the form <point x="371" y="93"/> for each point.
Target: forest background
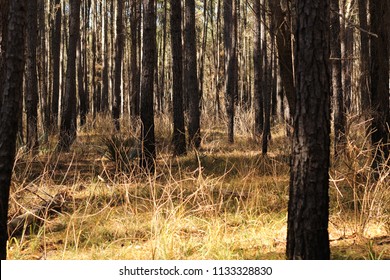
<point x="170" y="129"/>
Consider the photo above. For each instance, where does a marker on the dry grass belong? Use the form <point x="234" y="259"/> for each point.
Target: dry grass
<point x="226" y="201"/>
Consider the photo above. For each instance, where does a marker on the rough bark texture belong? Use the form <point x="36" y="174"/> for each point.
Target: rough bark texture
<point x="364" y="58"/>
<point x="105" y="85"/>
<point x="83" y="98"/>
<point x="308" y="208"/>
<point x="12" y="93"/>
<point x="68" y="126"/>
<point x="179" y="138"/>
<point x="267" y="76"/>
<point x="31" y="76"/>
<point x="379" y="11"/>
<point x="44" y="78"/>
<point x="283" y="41"/>
<point x="258" y="71"/>
<point x="3" y="42"/>
<point x="231" y="63"/>
<point x="148" y="154"/>
<point x="191" y="82"/>
<point x="56" y="49"/>
<point x="337" y="87"/>
<point x="117" y="102"/>
<point x="134" y="60"/>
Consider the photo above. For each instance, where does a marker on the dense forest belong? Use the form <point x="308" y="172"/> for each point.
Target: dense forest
<point x="215" y="129"/>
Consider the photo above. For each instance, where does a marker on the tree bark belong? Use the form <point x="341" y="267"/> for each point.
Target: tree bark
<point x="56" y="52"/>
<point x="105" y="85"/>
<point x="134" y="60"/>
<point x="68" y="128"/>
<point x="148" y="153"/>
<point x="267" y="76"/>
<point x="190" y="67"/>
<point x="379" y="11"/>
<point x="117" y="102"/>
<point x="12" y="93"/>
<point x="364" y="58"/>
<point x="231" y="62"/>
<point x="31" y="76"/>
<point x="179" y="138"/>
<point x="83" y="100"/>
<point x="3" y="43"/>
<point x="308" y="207"/>
<point x="283" y="40"/>
<point x="43" y="70"/>
<point x="258" y="71"/>
<point x="337" y="87"/>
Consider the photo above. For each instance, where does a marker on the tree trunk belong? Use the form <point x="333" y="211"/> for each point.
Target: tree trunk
<point x="258" y="71"/>
<point x="161" y="84"/>
<point x="308" y="208"/>
<point x="134" y="60"/>
<point x="190" y="67"/>
<point x="380" y="80"/>
<point x="87" y="6"/>
<point x="80" y="82"/>
<point x="105" y="85"/>
<point x="337" y="87"/>
<point x="68" y="128"/>
<point x="148" y="155"/>
<point x="203" y="51"/>
<point x="56" y="52"/>
<point x="117" y="102"/>
<point x="283" y="40"/>
<point x="179" y="138"/>
<point x="266" y="84"/>
<point x="95" y="101"/>
<point x="3" y="29"/>
<point x="231" y="62"/>
<point x="43" y="72"/>
<point x="12" y="90"/>
<point x="31" y="76"/>
<point x="364" y="58"/>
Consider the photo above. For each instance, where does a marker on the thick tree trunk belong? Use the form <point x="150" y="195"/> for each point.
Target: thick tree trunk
<point x="148" y="154"/>
<point x="31" y="76"/>
<point x="379" y="11"/>
<point x="68" y="128"/>
<point x="283" y="40"/>
<point x="190" y="67"/>
<point x="3" y="43"/>
<point x="308" y="208"/>
<point x="179" y="138"/>
<point x="117" y="102"/>
<point x="12" y="93"/>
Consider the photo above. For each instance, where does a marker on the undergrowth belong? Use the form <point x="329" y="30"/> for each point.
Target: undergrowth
<point x="225" y="201"/>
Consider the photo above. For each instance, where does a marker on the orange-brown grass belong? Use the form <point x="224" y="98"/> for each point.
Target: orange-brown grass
<point x="225" y="201"/>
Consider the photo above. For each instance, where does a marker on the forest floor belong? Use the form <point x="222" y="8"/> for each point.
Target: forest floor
<point x="226" y="201"/>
